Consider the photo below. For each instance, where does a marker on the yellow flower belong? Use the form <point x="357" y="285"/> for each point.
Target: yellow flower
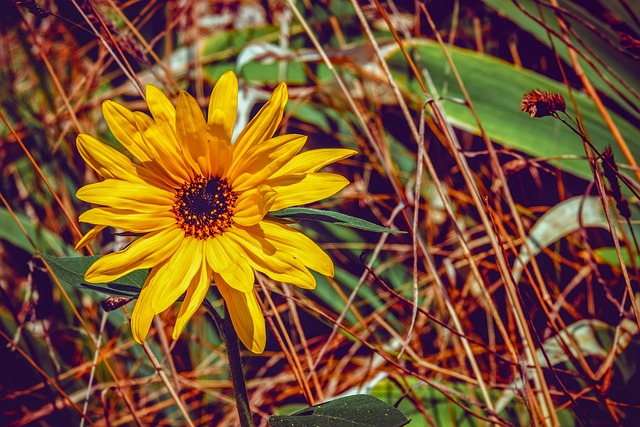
<point x="200" y="204"/>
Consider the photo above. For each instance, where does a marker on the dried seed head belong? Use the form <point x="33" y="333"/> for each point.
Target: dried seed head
<point x="32" y="7"/>
<point x="611" y="173"/>
<point x="540" y="104"/>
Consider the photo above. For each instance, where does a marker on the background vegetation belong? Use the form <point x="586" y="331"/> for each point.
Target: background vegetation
<point x="510" y="300"/>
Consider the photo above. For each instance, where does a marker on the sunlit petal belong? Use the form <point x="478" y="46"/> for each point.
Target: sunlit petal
<point x="162" y="110"/>
<point x="253" y="205"/>
<point x="313" y="160"/>
<point x="224" y="257"/>
<point x="301" y="189"/>
<point x="172" y="278"/>
<point x="122" y="124"/>
<point x="143" y="314"/>
<point x="88" y="238"/>
<point x="224" y="99"/>
<point x="165" y="284"/>
<point x="263" y="160"/>
<point x="293" y="242"/>
<point x="106" y="161"/>
<point x="128" y="220"/>
<point x="148" y="251"/>
<point x="164" y="149"/>
<point x="139" y="197"/>
<point x="191" y="129"/>
<point x="263" y="125"/>
<point x="246" y="315"/>
<point x="267" y="259"/>
<point x="196" y="293"/>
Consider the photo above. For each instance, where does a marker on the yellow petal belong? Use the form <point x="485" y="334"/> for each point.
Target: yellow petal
<point x="225" y="258"/>
<point x="129" y="220"/>
<point x="301" y="189"/>
<point x="162" y="110"/>
<point x="162" y="147"/>
<point x="264" y="124"/>
<point x="146" y="252"/>
<point x="138" y="197"/>
<point x="264" y="160"/>
<point x="253" y="205"/>
<point x="266" y="258"/>
<point x="173" y="278"/>
<point x="105" y="160"/>
<point x="246" y="316"/>
<point x="142" y="315"/>
<point x="220" y="150"/>
<point x="88" y="238"/>
<point x="165" y="284"/>
<point x="219" y="256"/>
<point x="225" y="99"/>
<point x="216" y="125"/>
<point x="191" y="129"/>
<point x="313" y="160"/>
<point x="239" y="275"/>
<point x="196" y="293"/>
<point x="293" y="242"/>
<point x="122" y="124"/>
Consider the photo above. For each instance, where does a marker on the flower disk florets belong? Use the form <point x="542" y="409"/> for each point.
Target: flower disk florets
<point x="204" y="207"/>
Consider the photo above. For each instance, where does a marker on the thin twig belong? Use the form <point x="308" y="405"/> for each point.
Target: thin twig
<point x="167" y="383"/>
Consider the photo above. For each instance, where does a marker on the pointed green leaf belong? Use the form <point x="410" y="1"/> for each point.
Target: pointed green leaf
<point x="42" y="238"/>
<point x="309" y="214"/>
<point x="359" y="410"/>
<point x="71" y="271"/>
<point x="496" y="88"/>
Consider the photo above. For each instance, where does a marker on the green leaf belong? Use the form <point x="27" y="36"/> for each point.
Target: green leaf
<point x="71" y="271"/>
<point x="350" y="411"/>
<point x="310" y="214"/>
<point x="42" y="238"/>
<point x="496" y="88"/>
<point x="608" y="255"/>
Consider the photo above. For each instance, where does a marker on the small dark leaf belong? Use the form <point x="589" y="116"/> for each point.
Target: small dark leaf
<point x="360" y="410"/>
<point x="309" y="214"/>
<point x="71" y="271"/>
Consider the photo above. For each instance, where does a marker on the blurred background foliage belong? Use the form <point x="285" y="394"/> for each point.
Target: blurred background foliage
<point x="506" y="302"/>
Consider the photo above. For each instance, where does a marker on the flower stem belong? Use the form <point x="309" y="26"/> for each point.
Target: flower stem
<point x="229" y="336"/>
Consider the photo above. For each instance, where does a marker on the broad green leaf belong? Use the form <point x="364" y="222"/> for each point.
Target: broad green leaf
<point x="71" y="271"/>
<point x="496" y="88"/>
<point x="351" y="411"/>
<point x="310" y="214"/>
<point x="43" y="239"/>
<point x="609" y="255"/>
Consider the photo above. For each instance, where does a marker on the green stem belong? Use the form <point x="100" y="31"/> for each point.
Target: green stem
<point x="229" y="336"/>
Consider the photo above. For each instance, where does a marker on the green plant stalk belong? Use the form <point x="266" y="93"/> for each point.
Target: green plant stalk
<point x="230" y="338"/>
<point x="237" y="373"/>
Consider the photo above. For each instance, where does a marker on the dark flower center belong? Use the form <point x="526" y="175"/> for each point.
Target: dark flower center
<point x="204" y="207"/>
